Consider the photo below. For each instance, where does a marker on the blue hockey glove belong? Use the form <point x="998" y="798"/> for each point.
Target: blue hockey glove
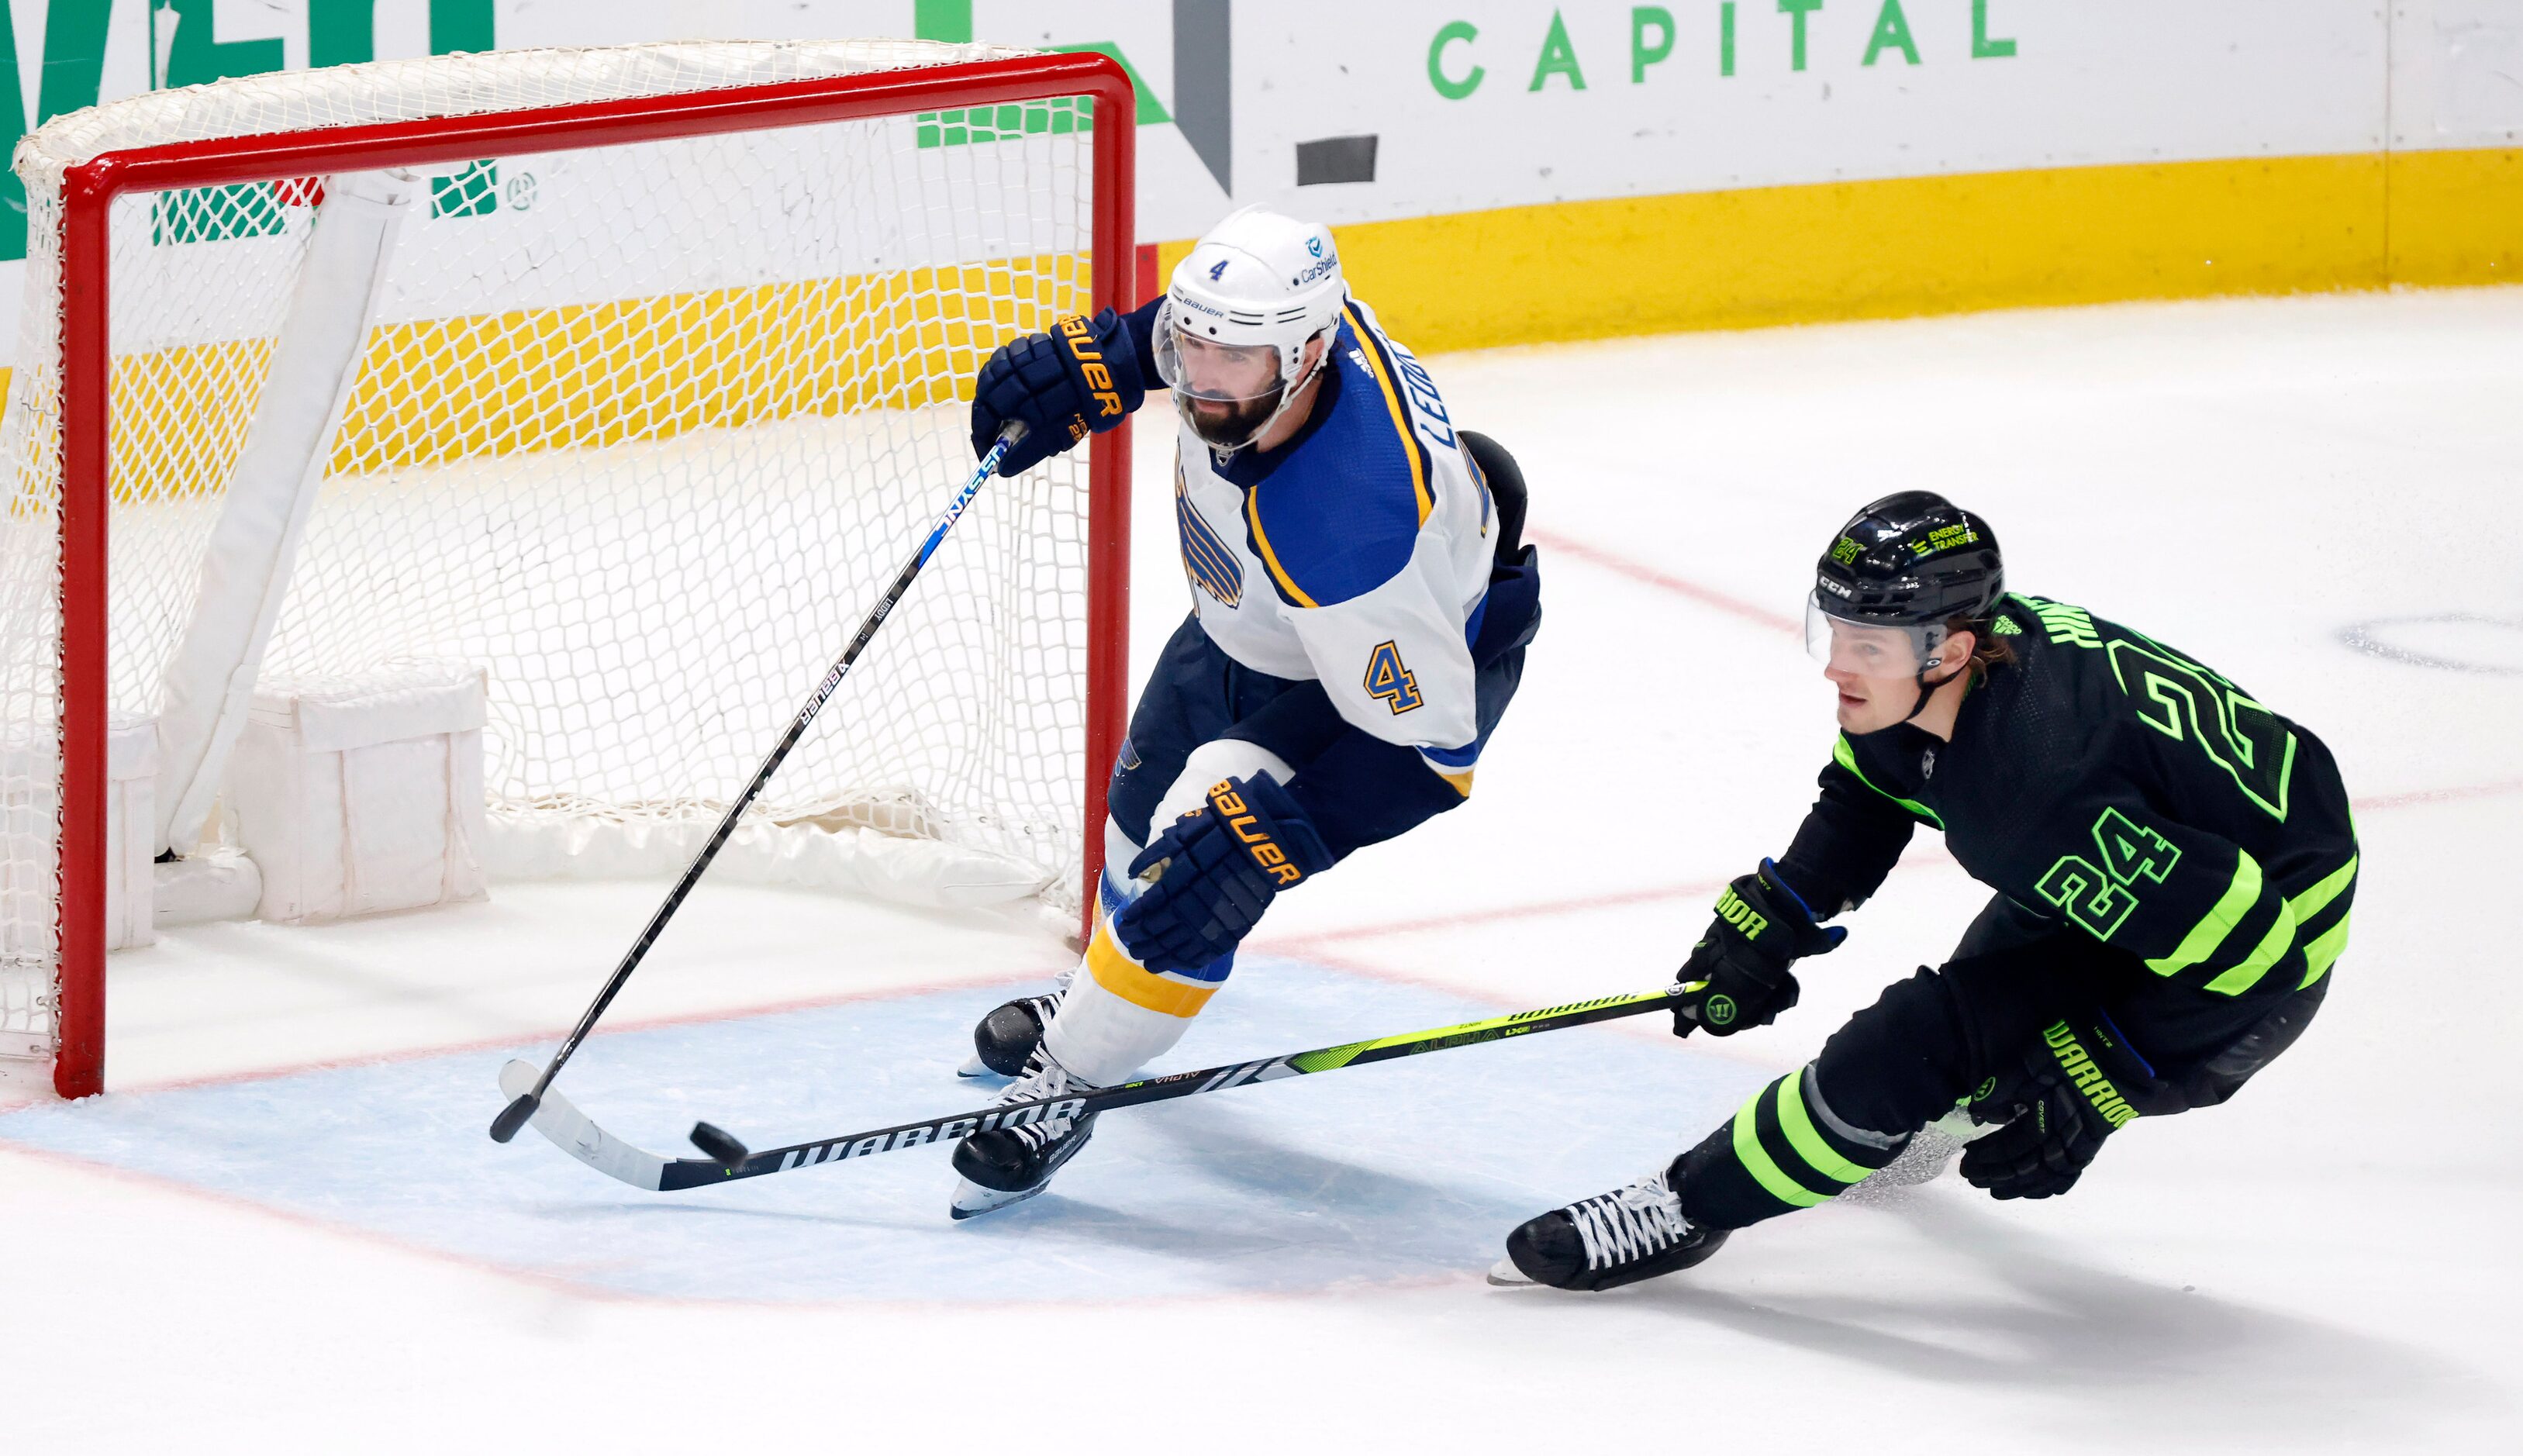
<point x="1081" y="378"/>
<point x="1737" y="974"/>
<point x="1221" y="866"/>
<point x="2078" y="1084"/>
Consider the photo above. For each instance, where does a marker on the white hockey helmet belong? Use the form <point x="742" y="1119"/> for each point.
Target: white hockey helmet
<point x="1240" y="310"/>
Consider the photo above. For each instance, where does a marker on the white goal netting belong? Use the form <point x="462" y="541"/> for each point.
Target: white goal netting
<point x="639" y="430"/>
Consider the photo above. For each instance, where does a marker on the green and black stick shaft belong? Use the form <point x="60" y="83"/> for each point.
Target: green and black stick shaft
<point x="524" y="1100"/>
<point x="582" y="1139"/>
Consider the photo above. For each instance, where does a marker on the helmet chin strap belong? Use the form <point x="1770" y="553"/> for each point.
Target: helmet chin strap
<point x="1927" y="690"/>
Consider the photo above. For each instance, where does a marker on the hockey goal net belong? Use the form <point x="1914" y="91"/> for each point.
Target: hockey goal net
<point x="623" y="380"/>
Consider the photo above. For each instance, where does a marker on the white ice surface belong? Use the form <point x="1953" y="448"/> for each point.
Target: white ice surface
<point x="2328" y="1263"/>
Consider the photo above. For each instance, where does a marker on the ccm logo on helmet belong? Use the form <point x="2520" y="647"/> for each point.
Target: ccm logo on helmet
<point x="1265" y="852"/>
<point x="1075" y="334"/>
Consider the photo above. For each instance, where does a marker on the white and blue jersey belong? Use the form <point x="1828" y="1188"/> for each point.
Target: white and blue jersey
<point x="1357" y="554"/>
<point x="1360" y="615"/>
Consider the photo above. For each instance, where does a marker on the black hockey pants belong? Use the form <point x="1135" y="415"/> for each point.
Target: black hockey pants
<point x="1942" y="1036"/>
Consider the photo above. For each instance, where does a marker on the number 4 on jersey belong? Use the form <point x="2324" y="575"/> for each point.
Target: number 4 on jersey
<point x="2099" y="899"/>
<point x="2131" y="849"/>
<point x="1389" y="680"/>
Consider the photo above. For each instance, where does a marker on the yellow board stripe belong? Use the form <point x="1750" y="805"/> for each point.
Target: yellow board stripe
<point x="1756" y="258"/>
<point x="1605" y="268"/>
<point x="1373" y="354"/>
<point x="599" y="374"/>
<point x="1115" y="971"/>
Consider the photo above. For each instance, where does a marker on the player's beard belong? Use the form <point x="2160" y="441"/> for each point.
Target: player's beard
<point x="1227" y="424"/>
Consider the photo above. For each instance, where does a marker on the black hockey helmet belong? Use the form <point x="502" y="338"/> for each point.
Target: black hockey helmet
<point x="1910" y="560"/>
<point x="1893" y="579"/>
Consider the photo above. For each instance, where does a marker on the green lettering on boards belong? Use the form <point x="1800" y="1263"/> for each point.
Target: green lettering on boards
<point x="1644" y="19"/>
<point x="1446" y="86"/>
<point x="1797" y="9"/>
<point x="1891" y="29"/>
<point x="1557" y="57"/>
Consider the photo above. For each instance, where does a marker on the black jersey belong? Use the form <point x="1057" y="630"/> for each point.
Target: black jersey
<point x="2107" y="781"/>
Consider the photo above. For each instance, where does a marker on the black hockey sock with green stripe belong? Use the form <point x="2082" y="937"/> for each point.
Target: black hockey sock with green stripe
<point x="1786" y="1150"/>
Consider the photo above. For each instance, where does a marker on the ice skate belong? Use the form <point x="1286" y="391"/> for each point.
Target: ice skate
<point x="1004" y="1039"/>
<point x="1607" y="1240"/>
<point x="1006" y="1166"/>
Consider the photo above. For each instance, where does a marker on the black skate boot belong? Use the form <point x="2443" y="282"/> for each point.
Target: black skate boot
<point x="1006" y="1166"/>
<point x="1008" y="1035"/>
<point x="1607" y="1240"/>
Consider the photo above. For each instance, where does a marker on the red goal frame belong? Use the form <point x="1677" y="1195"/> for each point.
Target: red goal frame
<point x="90" y="188"/>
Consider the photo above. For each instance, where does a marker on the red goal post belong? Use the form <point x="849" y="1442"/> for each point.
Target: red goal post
<point x="85" y="428"/>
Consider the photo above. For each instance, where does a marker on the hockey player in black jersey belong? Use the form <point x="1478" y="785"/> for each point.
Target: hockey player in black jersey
<point x="2173" y="865"/>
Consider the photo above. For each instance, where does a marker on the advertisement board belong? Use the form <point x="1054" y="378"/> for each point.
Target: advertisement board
<point x="1590" y="167"/>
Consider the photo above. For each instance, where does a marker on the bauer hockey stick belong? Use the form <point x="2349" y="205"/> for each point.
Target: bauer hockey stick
<point x="575" y="1133"/>
<point x="526" y="1099"/>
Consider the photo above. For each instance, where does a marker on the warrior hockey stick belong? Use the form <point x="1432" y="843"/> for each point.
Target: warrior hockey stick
<point x="514" y="1114"/>
<point x="576" y="1135"/>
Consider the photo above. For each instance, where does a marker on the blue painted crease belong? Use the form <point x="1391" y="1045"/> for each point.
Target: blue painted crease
<point x="1403" y="1170"/>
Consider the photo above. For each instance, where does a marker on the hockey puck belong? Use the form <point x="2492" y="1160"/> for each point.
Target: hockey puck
<point x="719" y="1143"/>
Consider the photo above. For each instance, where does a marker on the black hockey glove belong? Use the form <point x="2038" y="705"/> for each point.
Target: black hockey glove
<point x="1219" y="867"/>
<point x="2076" y="1085"/>
<point x="1081" y="378"/>
<point x="1737" y="974"/>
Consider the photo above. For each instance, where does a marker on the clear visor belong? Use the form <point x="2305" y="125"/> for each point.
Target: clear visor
<point x="1871" y="651"/>
<point x="1201" y="368"/>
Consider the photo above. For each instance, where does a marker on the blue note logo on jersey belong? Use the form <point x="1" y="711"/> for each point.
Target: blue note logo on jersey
<point x="1207" y="559"/>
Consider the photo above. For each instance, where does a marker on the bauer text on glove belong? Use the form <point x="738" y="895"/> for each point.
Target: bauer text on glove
<point x="1221" y="866"/>
<point x="1080" y="378"/>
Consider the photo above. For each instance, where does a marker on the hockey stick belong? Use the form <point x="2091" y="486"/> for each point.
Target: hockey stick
<point x="514" y="1114"/>
<point x="575" y="1133"/>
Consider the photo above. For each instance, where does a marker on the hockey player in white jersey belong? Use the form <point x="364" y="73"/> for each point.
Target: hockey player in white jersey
<point x="1361" y="605"/>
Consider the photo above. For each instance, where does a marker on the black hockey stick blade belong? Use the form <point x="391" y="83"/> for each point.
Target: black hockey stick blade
<point x="576" y="1134"/>
<point x="512" y="1117"/>
<point x="719" y="1142"/>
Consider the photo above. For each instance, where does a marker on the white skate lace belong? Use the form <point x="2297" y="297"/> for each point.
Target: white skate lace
<point x="1043" y="1078"/>
<point x="1629" y="1223"/>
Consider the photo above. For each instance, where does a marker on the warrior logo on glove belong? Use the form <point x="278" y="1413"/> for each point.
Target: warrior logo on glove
<point x="2088" y="1078"/>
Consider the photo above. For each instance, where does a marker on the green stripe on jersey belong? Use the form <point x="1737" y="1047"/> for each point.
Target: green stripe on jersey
<point x="2322" y="950"/>
<point x="1846" y="757"/>
<point x="2246" y="974"/>
<point x="2219" y="921"/>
